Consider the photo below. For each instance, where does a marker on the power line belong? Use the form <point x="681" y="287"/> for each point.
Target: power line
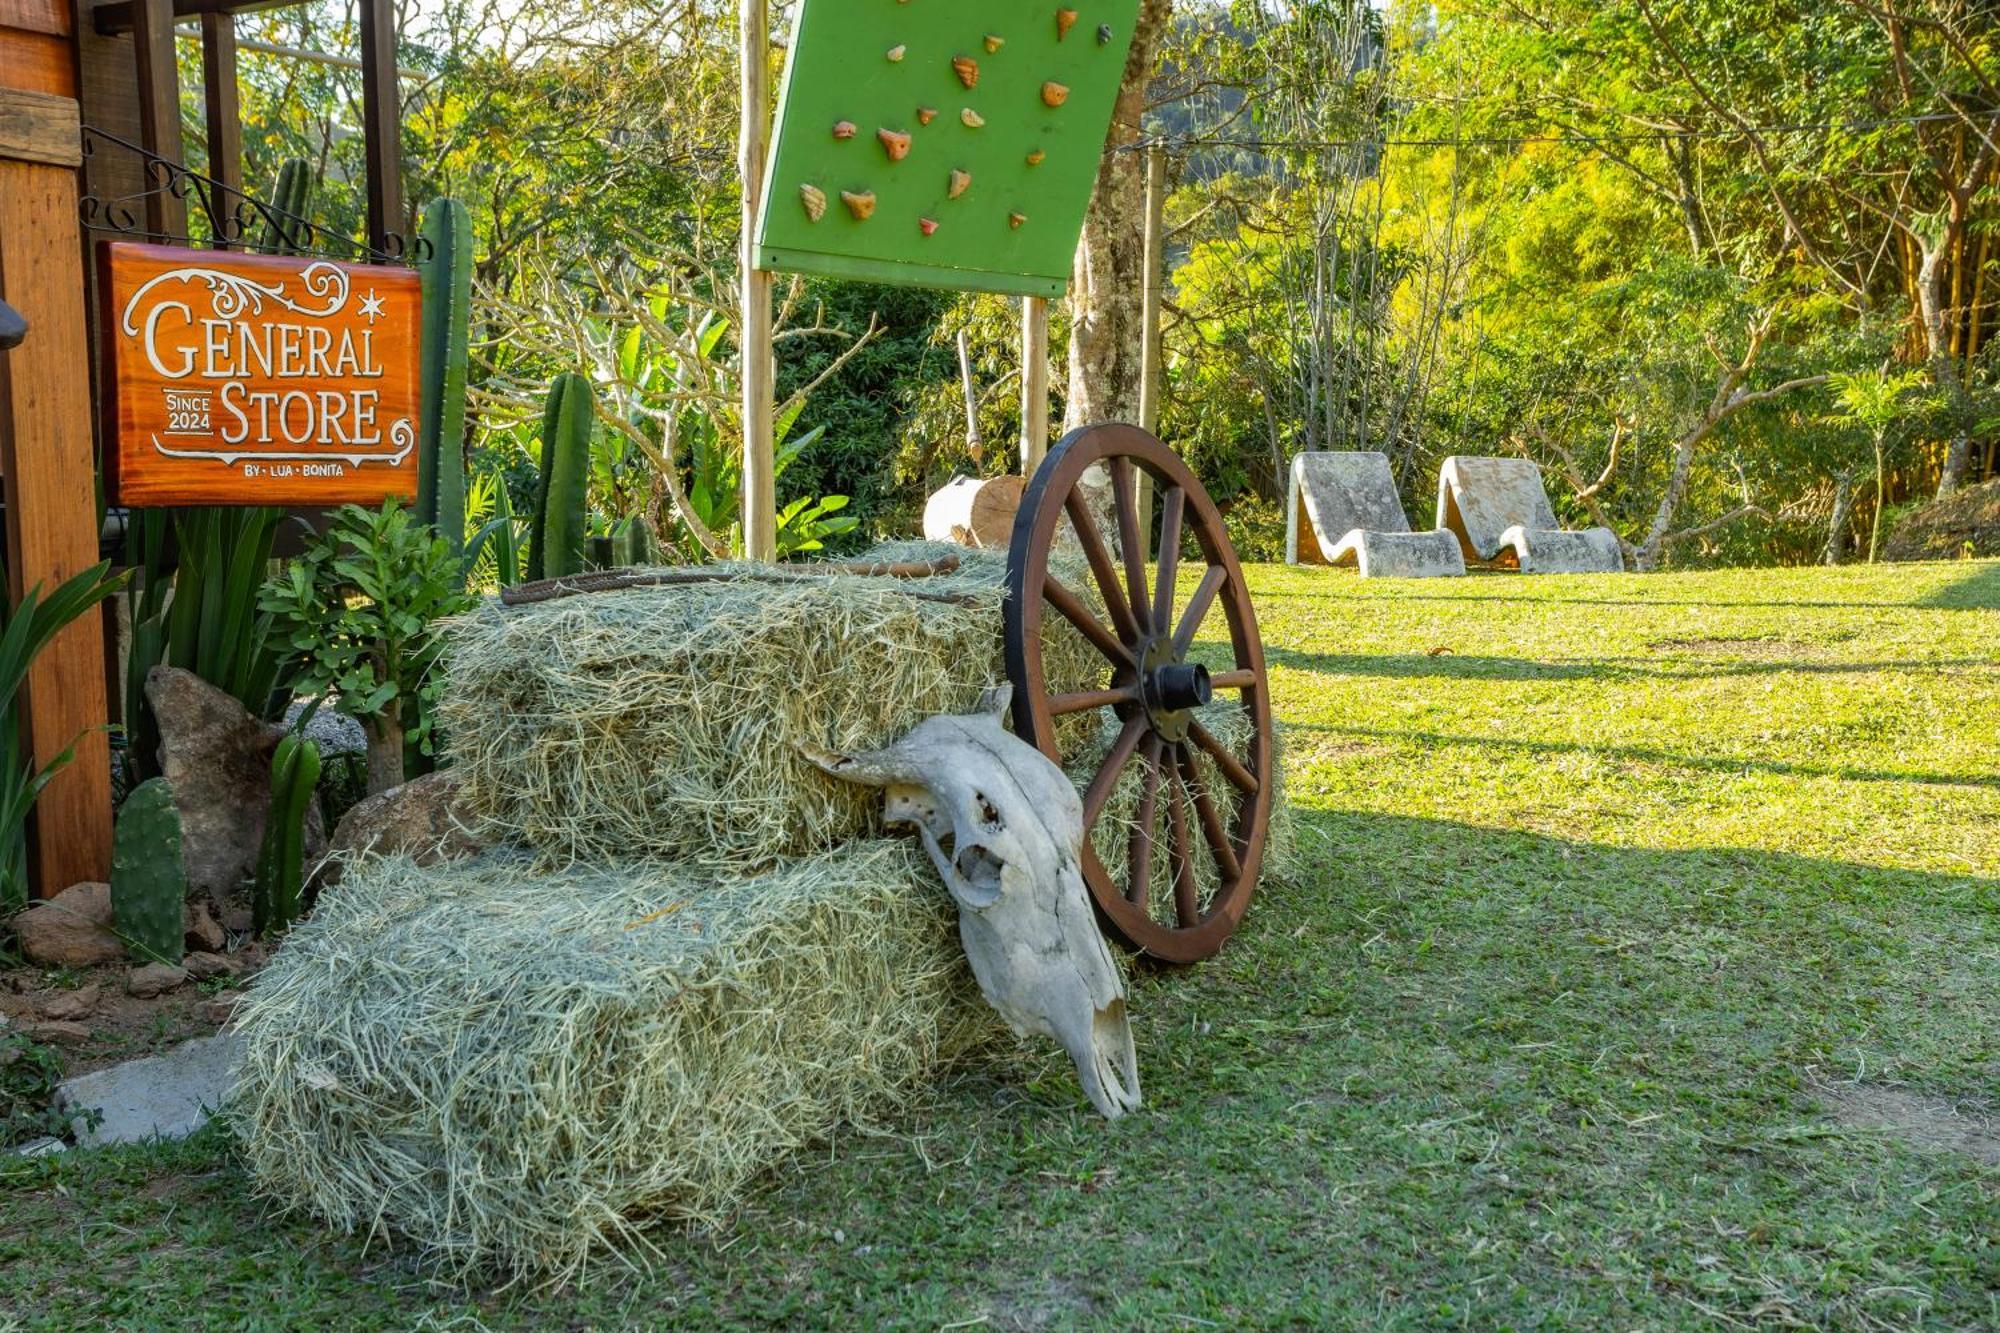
<point x="1189" y="144"/>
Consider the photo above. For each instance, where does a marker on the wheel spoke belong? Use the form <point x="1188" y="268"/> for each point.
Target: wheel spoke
<point x="1232" y="767"/>
<point x="1085" y="524"/>
<point x="1171" y="506"/>
<point x="1197" y="608"/>
<point x="1139" y="861"/>
<point x="1233" y="680"/>
<point x="1211" y="822"/>
<point x="1114" y="763"/>
<point x="1131" y="544"/>
<point x="1185" y="905"/>
<point x="1059" y="704"/>
<point x="1078" y="614"/>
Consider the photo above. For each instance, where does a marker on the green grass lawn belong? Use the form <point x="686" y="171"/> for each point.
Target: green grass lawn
<point x="1645" y="973"/>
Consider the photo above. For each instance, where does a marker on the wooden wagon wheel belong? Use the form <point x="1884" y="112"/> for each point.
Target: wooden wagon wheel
<point x="1193" y="770"/>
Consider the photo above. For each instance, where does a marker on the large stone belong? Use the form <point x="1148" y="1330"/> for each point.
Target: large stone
<point x="217" y="759"/>
<point x="72" y="929"/>
<point x="166" y="1096"/>
<point x="57" y="1033"/>
<point x="420" y="819"/>
<point x="1343" y="509"/>
<point x="67" y="1006"/>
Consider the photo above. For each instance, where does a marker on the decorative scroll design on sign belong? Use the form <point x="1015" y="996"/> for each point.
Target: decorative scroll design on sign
<point x="233" y="295"/>
<point x="402" y="433"/>
<point x="230" y="217"/>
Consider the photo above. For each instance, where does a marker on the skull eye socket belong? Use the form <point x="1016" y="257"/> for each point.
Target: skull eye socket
<point x="988" y="815"/>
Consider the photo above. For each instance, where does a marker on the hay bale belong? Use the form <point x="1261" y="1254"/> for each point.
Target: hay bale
<point x="667" y="721"/>
<point x="504" y="1064"/>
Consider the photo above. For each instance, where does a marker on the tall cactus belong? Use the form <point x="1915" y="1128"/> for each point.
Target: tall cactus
<point x="291" y="198"/>
<point x="148" y="881"/>
<point x="295" y="768"/>
<point x="447" y="279"/>
<point x="561" y="491"/>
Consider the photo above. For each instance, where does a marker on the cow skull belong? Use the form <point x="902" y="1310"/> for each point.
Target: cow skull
<point x="1005" y="828"/>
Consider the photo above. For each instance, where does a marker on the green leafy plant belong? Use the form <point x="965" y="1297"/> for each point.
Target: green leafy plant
<point x="24" y="631"/>
<point x="196" y="608"/>
<point x="29" y="1073"/>
<point x="148" y="877"/>
<point x="355" y="616"/>
<point x="1874" y="400"/>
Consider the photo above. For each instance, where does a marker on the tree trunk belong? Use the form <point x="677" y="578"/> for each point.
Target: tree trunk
<point x="1647" y="557"/>
<point x="975" y="443"/>
<point x="1108" y="289"/>
<point x="385" y="750"/>
<point x="1936" y="322"/>
<point x="1843" y="512"/>
<point x="1881" y="496"/>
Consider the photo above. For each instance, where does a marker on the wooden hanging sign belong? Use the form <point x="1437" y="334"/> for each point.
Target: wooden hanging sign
<point x="235" y="379"/>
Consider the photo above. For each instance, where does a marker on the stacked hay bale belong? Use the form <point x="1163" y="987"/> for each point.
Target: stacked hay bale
<point x="701" y="952"/>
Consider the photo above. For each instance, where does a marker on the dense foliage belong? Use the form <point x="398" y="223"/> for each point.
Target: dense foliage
<point x="1636" y="241"/>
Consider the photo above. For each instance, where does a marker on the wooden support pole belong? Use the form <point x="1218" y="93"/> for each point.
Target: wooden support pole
<point x="46" y="458"/>
<point x="1150" y="359"/>
<point x="159" y="108"/>
<point x="759" y="495"/>
<point x="219" y="102"/>
<point x="1034" y="383"/>
<point x="381" y="123"/>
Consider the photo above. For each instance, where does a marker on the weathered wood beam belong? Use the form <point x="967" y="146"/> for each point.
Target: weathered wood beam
<point x="113" y="19"/>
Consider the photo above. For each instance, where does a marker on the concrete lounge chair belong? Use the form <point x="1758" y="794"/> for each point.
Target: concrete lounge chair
<point x="1343" y="510"/>
<point x="1500" y="513"/>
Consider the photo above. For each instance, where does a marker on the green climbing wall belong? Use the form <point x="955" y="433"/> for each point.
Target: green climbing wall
<point x="988" y="190"/>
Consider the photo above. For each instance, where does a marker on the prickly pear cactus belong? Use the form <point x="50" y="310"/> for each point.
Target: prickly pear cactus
<point x="148" y="881"/>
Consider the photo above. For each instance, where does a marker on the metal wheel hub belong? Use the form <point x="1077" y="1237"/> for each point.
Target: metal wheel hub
<point x="1171" y="689"/>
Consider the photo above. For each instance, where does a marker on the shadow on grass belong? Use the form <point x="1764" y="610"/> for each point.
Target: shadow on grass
<point x="1649" y="754"/>
<point x="1687" y="666"/>
<point x="1977" y="591"/>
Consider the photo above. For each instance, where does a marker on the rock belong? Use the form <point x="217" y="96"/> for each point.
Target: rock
<point x="72" y="929"/>
<point x="165" y="1096"/>
<point x="68" y="1005"/>
<point x="58" y="1034"/>
<point x="420" y="819"/>
<point x="217" y="759"/>
<point x="204" y="932"/>
<point x="238" y="920"/>
<point x="41" y="1147"/>
<point x="154" y="979"/>
<point x="205" y="966"/>
<point x="222" y="1008"/>
<point x="334" y="732"/>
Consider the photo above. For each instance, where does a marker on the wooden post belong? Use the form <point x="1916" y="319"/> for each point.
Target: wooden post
<point x="1150" y="367"/>
<point x="45" y="436"/>
<point x="381" y="123"/>
<point x="219" y="103"/>
<point x="1034" y="383"/>
<point x="759" y="495"/>
<point x="159" y="108"/>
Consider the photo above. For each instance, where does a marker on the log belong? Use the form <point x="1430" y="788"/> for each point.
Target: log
<point x="974" y="511"/>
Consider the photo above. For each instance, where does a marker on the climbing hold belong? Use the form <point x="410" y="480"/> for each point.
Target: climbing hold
<point x="1015" y="220"/>
<point x="896" y="53"/>
<point x="895" y="143"/>
<point x="843" y="129"/>
<point x="1065" y="20"/>
<point x="961" y="181"/>
<point x="994" y="43"/>
<point x="927" y="226"/>
<point x="1036" y="157"/>
<point x="1054" y="94"/>
<point x="973" y="120"/>
<point x="967" y="70"/>
<point x="861" y="204"/>
<point x="814" y="199"/>
<point x="926" y="114"/>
